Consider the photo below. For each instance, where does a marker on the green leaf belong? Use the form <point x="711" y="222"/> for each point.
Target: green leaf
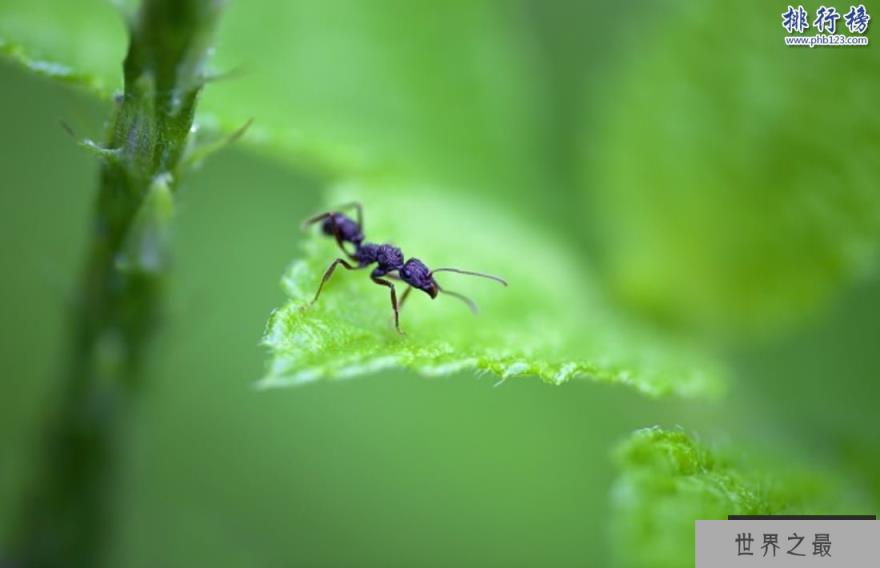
<point x="735" y="181"/>
<point x="668" y="480"/>
<point x="549" y="323"/>
<point x="344" y="87"/>
<point x="81" y="43"/>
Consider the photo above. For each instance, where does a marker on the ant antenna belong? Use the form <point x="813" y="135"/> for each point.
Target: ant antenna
<point x="502" y="281"/>
<point x="470" y="303"/>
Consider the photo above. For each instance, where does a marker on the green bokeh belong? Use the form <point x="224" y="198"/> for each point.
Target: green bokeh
<point x="735" y="185"/>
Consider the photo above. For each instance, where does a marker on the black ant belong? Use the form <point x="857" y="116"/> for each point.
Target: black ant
<point x="388" y="259"/>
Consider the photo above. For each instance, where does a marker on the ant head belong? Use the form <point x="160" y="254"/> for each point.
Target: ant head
<point x="416" y="274"/>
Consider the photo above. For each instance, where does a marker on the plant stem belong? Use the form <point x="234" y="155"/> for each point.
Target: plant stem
<point x="66" y="516"/>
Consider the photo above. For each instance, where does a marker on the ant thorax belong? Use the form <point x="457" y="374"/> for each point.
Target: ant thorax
<point x="366" y="254"/>
<point x="388" y="257"/>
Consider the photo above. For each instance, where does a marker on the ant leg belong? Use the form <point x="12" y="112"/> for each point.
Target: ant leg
<point x="403" y="297"/>
<point x="338" y="236"/>
<point x="359" y="211"/>
<point x="394" y="304"/>
<point x="329" y="273"/>
<point x="315" y="219"/>
<point x="405" y="294"/>
<point x="321" y="216"/>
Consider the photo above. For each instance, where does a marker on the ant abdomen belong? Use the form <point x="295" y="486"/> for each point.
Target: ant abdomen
<point x="346" y="228"/>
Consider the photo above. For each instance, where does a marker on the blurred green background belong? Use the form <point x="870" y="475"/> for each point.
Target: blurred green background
<point x="721" y="187"/>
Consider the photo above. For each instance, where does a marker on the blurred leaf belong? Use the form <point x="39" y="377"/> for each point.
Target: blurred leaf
<point x="668" y="480"/>
<point x="439" y="90"/>
<point x="439" y="93"/>
<point x="735" y="179"/>
<point x="549" y="323"/>
<point x="81" y="43"/>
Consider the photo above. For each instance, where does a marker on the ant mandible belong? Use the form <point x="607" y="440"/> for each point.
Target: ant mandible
<point x="387" y="257"/>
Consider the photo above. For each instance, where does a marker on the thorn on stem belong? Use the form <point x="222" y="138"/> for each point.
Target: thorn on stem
<point x="90" y="145"/>
<point x="200" y="153"/>
<point x="67" y="129"/>
<point x="234" y="73"/>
